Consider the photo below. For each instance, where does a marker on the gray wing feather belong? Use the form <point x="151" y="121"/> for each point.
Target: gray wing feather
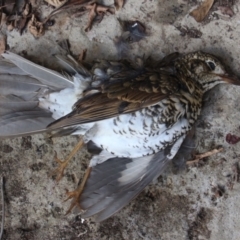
<point x="24" y="123"/>
<point x="115" y="182"/>
<point x="45" y="75"/>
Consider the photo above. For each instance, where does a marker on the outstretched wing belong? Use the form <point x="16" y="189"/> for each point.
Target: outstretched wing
<point x="112" y="184"/>
<point x="115" y="182"/>
<point x="118" y="89"/>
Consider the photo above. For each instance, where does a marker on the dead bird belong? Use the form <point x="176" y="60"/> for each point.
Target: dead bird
<point x="133" y="118"/>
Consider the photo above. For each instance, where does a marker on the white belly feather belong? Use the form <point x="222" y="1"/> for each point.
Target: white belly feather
<point x="135" y="140"/>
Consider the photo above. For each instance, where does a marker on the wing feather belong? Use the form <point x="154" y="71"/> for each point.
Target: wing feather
<point x="115" y="182"/>
<point x="118" y="96"/>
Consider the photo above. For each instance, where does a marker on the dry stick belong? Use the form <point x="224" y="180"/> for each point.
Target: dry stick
<point x="203" y="155"/>
<point x="3" y="211"/>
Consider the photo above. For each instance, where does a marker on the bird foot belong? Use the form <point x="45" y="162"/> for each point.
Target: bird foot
<point x="58" y="172"/>
<point x="203" y="155"/>
<point x="76" y="194"/>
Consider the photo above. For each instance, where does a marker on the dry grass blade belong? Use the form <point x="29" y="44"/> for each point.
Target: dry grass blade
<point x="35" y="27"/>
<point x="201" y="12"/>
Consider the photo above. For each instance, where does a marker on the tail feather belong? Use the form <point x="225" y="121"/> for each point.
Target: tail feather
<point x="11" y="84"/>
<point x="44" y="75"/>
<point x="22" y="83"/>
<point x="12" y="103"/>
<point x="24" y="123"/>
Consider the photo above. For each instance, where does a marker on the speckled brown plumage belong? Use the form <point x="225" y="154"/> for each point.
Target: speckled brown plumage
<point x="137" y="116"/>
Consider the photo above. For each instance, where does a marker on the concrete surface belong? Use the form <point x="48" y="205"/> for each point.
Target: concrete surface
<point x="199" y="203"/>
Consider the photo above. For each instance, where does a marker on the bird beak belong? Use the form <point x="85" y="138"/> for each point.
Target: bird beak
<point x="230" y="79"/>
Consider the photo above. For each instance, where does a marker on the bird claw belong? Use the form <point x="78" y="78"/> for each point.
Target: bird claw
<point x="76" y="194"/>
<point x="58" y="172"/>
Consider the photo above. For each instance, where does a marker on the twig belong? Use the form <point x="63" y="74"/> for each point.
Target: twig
<point x="203" y="155"/>
<point x="3" y="210"/>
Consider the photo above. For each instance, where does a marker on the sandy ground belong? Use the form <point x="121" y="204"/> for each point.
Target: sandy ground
<point x="201" y="202"/>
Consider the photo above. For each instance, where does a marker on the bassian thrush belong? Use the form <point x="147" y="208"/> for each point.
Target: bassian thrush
<point x="133" y="118"/>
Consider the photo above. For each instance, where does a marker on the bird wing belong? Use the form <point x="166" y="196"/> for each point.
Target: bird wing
<point x="120" y="90"/>
<point x="112" y="184"/>
<point x="115" y="182"/>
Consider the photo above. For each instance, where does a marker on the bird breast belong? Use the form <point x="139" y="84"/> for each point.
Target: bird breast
<point x="139" y="134"/>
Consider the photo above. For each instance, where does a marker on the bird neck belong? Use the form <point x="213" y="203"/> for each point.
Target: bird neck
<point x="200" y="78"/>
<point x="190" y="82"/>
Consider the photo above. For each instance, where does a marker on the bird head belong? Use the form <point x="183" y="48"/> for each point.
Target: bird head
<point x="206" y="69"/>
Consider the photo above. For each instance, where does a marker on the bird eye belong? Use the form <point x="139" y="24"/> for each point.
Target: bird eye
<point x="211" y="65"/>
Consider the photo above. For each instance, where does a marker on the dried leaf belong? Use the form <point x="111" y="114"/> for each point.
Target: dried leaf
<point x="82" y="55"/>
<point x="119" y="4"/>
<point x="71" y="4"/>
<point x="3" y="44"/>
<point x="96" y="10"/>
<point x="103" y="9"/>
<point x="232" y="139"/>
<point x="201" y="12"/>
<point x="21" y="24"/>
<point x="10" y="26"/>
<point x="226" y="10"/>
<point x="35" y="27"/>
<point x="9" y="6"/>
<point x="56" y="3"/>
<point x="3" y="19"/>
<point x="26" y="10"/>
<point x="91" y="16"/>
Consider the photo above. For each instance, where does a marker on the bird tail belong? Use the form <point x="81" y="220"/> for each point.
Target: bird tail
<point x="22" y="83"/>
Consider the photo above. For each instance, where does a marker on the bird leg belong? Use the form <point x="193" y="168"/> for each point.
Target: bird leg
<point x="62" y="164"/>
<point x="76" y="194"/>
<point x="198" y="157"/>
